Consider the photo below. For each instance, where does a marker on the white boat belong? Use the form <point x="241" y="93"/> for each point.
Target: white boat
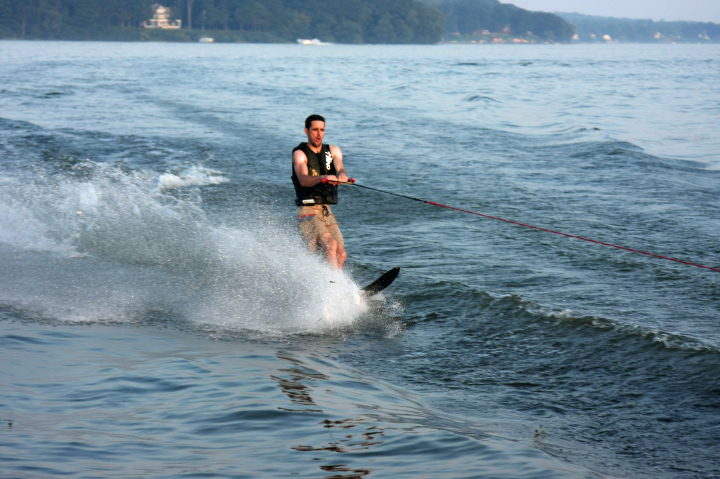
<point x="310" y="41"/>
<point x="206" y="40"/>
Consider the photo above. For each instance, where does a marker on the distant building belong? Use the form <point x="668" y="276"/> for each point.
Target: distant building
<point x="161" y="19"/>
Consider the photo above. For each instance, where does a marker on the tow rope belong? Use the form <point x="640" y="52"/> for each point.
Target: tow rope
<point x="351" y="181"/>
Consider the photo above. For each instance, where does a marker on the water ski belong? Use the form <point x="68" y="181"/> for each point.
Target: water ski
<point x="381" y="283"/>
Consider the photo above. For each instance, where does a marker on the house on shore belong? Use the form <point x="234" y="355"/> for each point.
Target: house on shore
<point x="161" y="19"/>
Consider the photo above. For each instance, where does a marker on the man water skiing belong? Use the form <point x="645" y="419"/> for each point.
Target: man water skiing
<point x="317" y="171"/>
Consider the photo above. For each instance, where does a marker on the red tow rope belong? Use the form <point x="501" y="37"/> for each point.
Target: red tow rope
<point x="351" y="181"/>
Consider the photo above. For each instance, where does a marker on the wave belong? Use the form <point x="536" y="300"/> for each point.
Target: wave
<point x="107" y="244"/>
<point x="481" y="98"/>
<point x="665" y="339"/>
<point x="623" y="330"/>
<point x="469" y="303"/>
<point x="611" y="153"/>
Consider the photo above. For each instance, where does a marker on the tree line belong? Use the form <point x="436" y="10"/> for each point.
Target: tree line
<point x="342" y="21"/>
<point x="346" y="21"/>
<point x="473" y="17"/>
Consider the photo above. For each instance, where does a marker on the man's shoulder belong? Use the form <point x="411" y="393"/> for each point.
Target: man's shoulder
<point x="298" y="153"/>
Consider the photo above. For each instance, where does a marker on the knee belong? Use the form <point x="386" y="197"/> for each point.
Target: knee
<point x="330" y="244"/>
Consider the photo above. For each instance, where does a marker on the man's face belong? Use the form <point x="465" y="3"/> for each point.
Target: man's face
<point x="316" y="133"/>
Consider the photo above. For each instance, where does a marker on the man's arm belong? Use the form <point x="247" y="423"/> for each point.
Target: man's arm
<point x="340" y="172"/>
<point x="301" y="170"/>
<point x="302" y="173"/>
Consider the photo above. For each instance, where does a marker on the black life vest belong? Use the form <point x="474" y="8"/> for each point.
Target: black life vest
<point x="318" y="164"/>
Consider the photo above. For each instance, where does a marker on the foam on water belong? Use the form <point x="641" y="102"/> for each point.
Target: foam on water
<point x="103" y="244"/>
<point x="193" y="176"/>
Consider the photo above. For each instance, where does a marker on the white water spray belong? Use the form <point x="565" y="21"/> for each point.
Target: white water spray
<point x="108" y="245"/>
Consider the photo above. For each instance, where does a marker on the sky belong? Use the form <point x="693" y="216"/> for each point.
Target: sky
<point x="670" y="10"/>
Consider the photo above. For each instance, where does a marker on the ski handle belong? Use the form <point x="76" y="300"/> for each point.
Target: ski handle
<point x="350" y="180"/>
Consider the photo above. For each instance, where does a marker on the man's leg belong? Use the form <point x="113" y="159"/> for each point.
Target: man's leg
<point x="334" y="250"/>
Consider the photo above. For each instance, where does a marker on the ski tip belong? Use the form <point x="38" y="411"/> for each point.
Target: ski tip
<point x="382" y="282"/>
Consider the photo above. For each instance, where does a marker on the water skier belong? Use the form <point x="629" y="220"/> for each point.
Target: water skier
<point x="317" y="171"/>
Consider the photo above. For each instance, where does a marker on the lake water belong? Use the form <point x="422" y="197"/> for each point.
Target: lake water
<point x="160" y="317"/>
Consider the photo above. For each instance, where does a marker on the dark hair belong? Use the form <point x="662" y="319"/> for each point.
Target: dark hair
<point x="312" y="118"/>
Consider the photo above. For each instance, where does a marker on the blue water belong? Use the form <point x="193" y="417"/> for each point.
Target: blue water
<point x="160" y="317"/>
